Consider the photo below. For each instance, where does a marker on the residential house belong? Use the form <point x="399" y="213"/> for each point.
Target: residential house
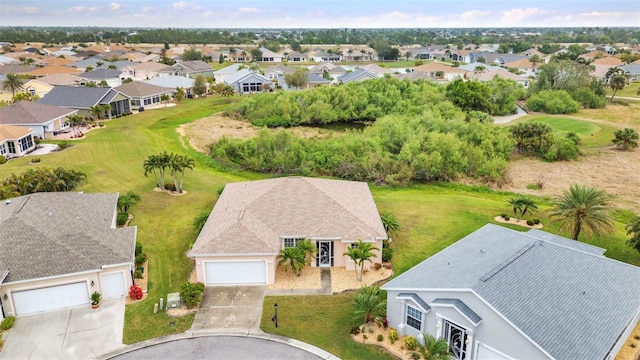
<point x="603" y="48"/>
<point x="477" y="56"/>
<point x="413" y="76"/>
<point x="226" y="72"/>
<point x="15" y="141"/>
<point x="144" y="94"/>
<point x="491" y="74"/>
<point x="474" y="67"/>
<point x="253" y="221"/>
<point x="607" y="60"/>
<point x="35" y="87"/>
<point x="145" y="71"/>
<point x="247" y="81"/>
<point x="16" y="69"/>
<point x="504" y="294"/>
<point x="421" y="53"/>
<point x="173" y="82"/>
<point x="507" y="58"/>
<point x="43" y="120"/>
<point x="297" y="57"/>
<point x="441" y="71"/>
<point x="314" y="80"/>
<point x="93" y="62"/>
<point x="322" y="56"/>
<point x="355" y="54"/>
<point x="379" y="70"/>
<point x="55" y="61"/>
<point x="84" y="98"/>
<point x="533" y="51"/>
<point x="360" y="74"/>
<point x="524" y="66"/>
<point x="328" y="69"/>
<point x="4" y="60"/>
<point x="101" y="76"/>
<point x="56" y="249"/>
<point x="60" y="79"/>
<point x="633" y="70"/>
<point x="50" y="70"/>
<point x="192" y="68"/>
<point x="273" y="72"/>
<point x="270" y="56"/>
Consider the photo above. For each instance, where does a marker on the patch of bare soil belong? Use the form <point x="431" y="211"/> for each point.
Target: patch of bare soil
<point x="201" y="133"/>
<point x="519" y="222"/>
<point x="616" y="172"/>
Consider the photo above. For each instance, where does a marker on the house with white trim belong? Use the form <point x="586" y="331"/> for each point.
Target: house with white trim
<point x="247" y="81"/>
<point x="503" y="294"/>
<point x="15" y="141"/>
<point x="43" y="120"/>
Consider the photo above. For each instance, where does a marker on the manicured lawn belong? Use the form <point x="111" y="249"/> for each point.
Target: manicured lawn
<point x="592" y="135"/>
<point x="621" y="114"/>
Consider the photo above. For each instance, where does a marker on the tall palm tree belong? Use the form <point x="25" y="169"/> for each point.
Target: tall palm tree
<point x="583" y="209"/>
<point x="360" y="253"/>
<point x="12" y="81"/>
<point x="97" y="111"/>
<point x="178" y="164"/>
<point x="633" y="229"/>
<point x="180" y="94"/>
<point x="292" y="257"/>
<point x="435" y="348"/>
<point x="369" y="306"/>
<point x="127" y="200"/>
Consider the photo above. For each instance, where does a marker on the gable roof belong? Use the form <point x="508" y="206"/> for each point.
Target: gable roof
<point x="141" y="89"/>
<point x="508" y="269"/>
<point x="78" y="97"/>
<point x="280" y="69"/>
<point x="244" y="73"/>
<point x="101" y="74"/>
<point x="250" y="217"/>
<point x="358" y="75"/>
<point x="172" y="82"/>
<point x="150" y="66"/>
<point x="229" y="70"/>
<point x="60" y="79"/>
<point x="16" y="69"/>
<point x="49" y="234"/>
<point x="193" y="66"/>
<point x="10" y="132"/>
<point x="491" y="74"/>
<point x="30" y="112"/>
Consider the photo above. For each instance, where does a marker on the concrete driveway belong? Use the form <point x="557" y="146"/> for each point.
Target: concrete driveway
<point x="76" y="333"/>
<point x="230" y="309"/>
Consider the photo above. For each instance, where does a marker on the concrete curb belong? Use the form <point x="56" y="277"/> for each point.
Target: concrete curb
<point x="190" y="334"/>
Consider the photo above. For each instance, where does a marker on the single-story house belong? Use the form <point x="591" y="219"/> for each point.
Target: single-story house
<point x="227" y="72"/>
<point x="145" y="71"/>
<point x="192" y="68"/>
<point x="360" y="74"/>
<point x="15" y="141"/>
<point x="33" y="87"/>
<point x="633" y="70"/>
<point x="247" y="81"/>
<point x="314" y="80"/>
<point x="83" y="98"/>
<point x="60" y="79"/>
<point x="253" y="221"/>
<point x="421" y="53"/>
<point x="490" y="75"/>
<point x="16" y="69"/>
<point x="173" y="82"/>
<point x="297" y="57"/>
<point x="273" y="72"/>
<point x="56" y="249"/>
<point x="270" y="56"/>
<point x="144" y="94"/>
<point x="441" y="71"/>
<point x="44" y="120"/>
<point x="322" y="56"/>
<point x="111" y="77"/>
<point x="503" y="294"/>
<point x="328" y="68"/>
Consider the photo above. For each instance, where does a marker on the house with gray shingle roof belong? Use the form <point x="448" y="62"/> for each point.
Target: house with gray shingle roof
<point x="173" y="82"/>
<point x="97" y="76"/>
<point x="253" y="221"/>
<point x="504" y="294"/>
<point x="192" y="68"/>
<point x="44" y="120"/>
<point x="83" y="98"/>
<point x="314" y="80"/>
<point x="360" y="74"/>
<point x="58" y="248"/>
<point x="144" y="94"/>
<point x="247" y="81"/>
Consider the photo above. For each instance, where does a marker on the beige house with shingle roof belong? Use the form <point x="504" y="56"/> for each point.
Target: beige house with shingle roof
<point x="15" y="141"/>
<point x="253" y="221"/>
<point x="45" y="120"/>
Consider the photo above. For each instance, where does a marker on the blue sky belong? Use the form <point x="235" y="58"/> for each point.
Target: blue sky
<point x="320" y="13"/>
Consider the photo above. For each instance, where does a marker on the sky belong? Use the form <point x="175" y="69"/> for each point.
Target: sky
<point x="321" y="13"/>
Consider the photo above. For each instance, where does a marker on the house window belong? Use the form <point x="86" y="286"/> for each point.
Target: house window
<point x="414" y="318"/>
<point x="26" y="143"/>
<point x="12" y="147"/>
<point x="3" y="149"/>
<point x="292" y="242"/>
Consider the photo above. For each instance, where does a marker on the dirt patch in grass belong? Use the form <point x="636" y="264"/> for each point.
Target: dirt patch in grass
<point x="201" y="133"/>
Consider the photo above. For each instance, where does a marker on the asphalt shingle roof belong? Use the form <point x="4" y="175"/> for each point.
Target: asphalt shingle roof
<point x="141" y="89"/>
<point x="250" y="217"/>
<point x="49" y="234"/>
<point x="564" y="295"/>
<point x="415" y="298"/>
<point x="78" y="97"/>
<point x="28" y="112"/>
<point x="461" y="306"/>
<point x="101" y="74"/>
<point x="172" y="82"/>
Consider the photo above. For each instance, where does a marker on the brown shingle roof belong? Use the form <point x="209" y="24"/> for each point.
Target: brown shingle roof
<point x="10" y="132"/>
<point x="48" y="70"/>
<point x="250" y="217"/>
<point x="141" y="89"/>
<point x="28" y="112"/>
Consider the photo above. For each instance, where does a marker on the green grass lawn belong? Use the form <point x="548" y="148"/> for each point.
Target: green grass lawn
<point x="628" y="91"/>
<point x="592" y="135"/>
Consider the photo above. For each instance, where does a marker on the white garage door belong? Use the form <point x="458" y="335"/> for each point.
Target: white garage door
<point x="113" y="285"/>
<point x="487" y="353"/>
<point x="235" y="272"/>
<point x="50" y="298"/>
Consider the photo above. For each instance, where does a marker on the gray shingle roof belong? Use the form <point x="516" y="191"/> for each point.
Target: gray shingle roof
<point x="415" y="298"/>
<point x="78" y="97"/>
<point x="141" y="89"/>
<point x="358" y="75"/>
<point x="461" y="306"/>
<point x="101" y="74"/>
<point x="49" y="234"/>
<point x="559" y="295"/>
<point x="563" y="241"/>
<point x="172" y="82"/>
<point x="250" y="217"/>
<point x="193" y="66"/>
<point x="245" y="73"/>
<point x="27" y="112"/>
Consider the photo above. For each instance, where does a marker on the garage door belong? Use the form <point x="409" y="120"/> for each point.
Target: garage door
<point x="50" y="298"/>
<point x="113" y="285"/>
<point x="235" y="272"/>
<point x="488" y="353"/>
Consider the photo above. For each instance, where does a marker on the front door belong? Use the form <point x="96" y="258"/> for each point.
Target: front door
<point x="457" y="339"/>
<point x="325" y="253"/>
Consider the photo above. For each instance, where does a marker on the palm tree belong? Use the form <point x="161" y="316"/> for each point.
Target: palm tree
<point x="370" y="306"/>
<point x="97" y="111"/>
<point x="127" y="200"/>
<point x="583" y="209"/>
<point x="178" y="164"/>
<point x="360" y="253"/>
<point x="164" y="98"/>
<point x="157" y="164"/>
<point x="617" y="79"/>
<point x="521" y="205"/>
<point x="12" y="81"/>
<point x="435" y="348"/>
<point x="106" y="108"/>
<point x="535" y="59"/>
<point x="516" y="203"/>
<point x="626" y="139"/>
<point x="308" y="248"/>
<point x="74" y="121"/>
<point x="180" y="94"/>
<point x="292" y="257"/>
<point x="389" y="222"/>
<point x="633" y="229"/>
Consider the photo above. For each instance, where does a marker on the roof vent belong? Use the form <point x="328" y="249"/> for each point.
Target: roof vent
<point x="241" y="215"/>
<point x="483" y="251"/>
<point x="7" y="202"/>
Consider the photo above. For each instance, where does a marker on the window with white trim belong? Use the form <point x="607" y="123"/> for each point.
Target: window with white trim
<point x="292" y="242"/>
<point x="414" y="318"/>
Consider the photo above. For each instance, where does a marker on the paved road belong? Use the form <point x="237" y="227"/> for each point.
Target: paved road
<point x="220" y="347"/>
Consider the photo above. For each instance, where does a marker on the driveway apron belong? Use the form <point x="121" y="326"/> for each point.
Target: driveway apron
<point x="230" y="309"/>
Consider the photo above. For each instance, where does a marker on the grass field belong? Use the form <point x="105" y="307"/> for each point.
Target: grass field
<point x="628" y="114"/>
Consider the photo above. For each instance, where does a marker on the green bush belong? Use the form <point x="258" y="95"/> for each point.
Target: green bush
<point x="393" y="335"/>
<point x="536" y="221"/>
<point x="415" y="356"/>
<point x="380" y="337"/>
<point x="530" y="222"/>
<point x="387" y="251"/>
<point x="504" y="216"/>
<point x="410" y="343"/>
<point x="35" y="160"/>
<point x="507" y="217"/>
<point x="138" y="248"/>
<point x="122" y="219"/>
<point x="7" y="323"/>
<point x="563" y="150"/>
<point x="191" y="293"/>
<point x="137" y="274"/>
<point x="3" y="159"/>
<point x="355" y="330"/>
<point x="553" y="102"/>
<point x="140" y="259"/>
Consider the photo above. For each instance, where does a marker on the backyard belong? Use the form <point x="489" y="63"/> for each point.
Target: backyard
<point x="431" y="216"/>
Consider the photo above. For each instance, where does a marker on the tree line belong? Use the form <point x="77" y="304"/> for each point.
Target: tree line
<point x="43" y="179"/>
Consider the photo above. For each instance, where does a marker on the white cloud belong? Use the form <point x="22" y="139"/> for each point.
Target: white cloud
<point x="115" y="6"/>
<point x="180" y="5"/>
<point x="473" y="15"/>
<point x="21" y="10"/>
<point x="515" y="15"/>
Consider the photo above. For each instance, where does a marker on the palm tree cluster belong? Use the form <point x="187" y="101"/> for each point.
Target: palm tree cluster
<point x="522" y="205"/>
<point x="176" y="164"/>
<point x="99" y="111"/>
<point x="41" y="180"/>
<point x="297" y="257"/>
<point x="360" y="253"/>
<point x="583" y="210"/>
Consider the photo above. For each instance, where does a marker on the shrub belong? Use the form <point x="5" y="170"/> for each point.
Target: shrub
<point x="385" y="323"/>
<point x="170" y="186"/>
<point x="7" y="323"/>
<point x="637" y="337"/>
<point x="355" y="330"/>
<point x="504" y="216"/>
<point x="410" y="343"/>
<point x="35" y="160"/>
<point x="137" y="274"/>
<point x="138" y="248"/>
<point x="64" y="145"/>
<point x="553" y="102"/>
<point x="3" y="159"/>
<point x="387" y="251"/>
<point x="140" y="259"/>
<point x="415" y="356"/>
<point x="507" y="217"/>
<point x="122" y="218"/>
<point x="393" y="335"/>
<point x="533" y="187"/>
<point x="135" y="292"/>
<point x="364" y="336"/>
<point x="380" y="337"/>
<point x="536" y="221"/>
<point x="191" y="293"/>
<point x="530" y="222"/>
